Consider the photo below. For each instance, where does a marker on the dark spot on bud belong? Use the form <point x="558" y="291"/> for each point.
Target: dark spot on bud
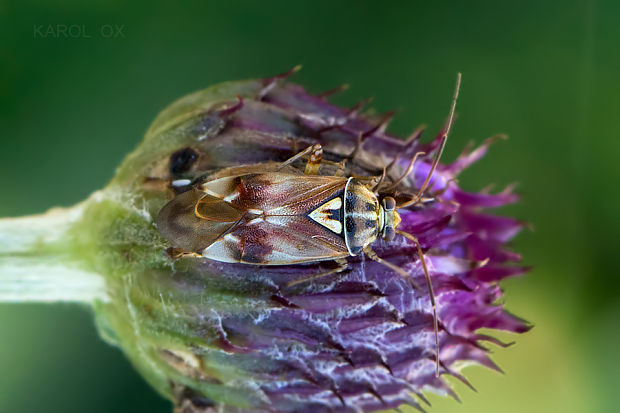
<point x="370" y="223"/>
<point x="370" y="207"/>
<point x="182" y="160"/>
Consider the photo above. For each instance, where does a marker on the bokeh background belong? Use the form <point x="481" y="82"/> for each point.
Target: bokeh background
<point x="543" y="72"/>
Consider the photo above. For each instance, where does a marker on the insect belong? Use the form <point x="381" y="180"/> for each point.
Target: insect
<point x="274" y="214"/>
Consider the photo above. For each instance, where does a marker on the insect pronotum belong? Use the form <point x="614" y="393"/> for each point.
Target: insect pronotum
<point x="274" y="214"/>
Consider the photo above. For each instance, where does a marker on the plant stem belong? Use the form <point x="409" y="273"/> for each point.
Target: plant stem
<point x="35" y="266"/>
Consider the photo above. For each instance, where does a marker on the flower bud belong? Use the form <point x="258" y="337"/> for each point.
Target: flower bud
<point x="209" y="334"/>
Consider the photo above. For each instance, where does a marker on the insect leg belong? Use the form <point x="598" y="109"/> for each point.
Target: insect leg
<point x="407" y="172"/>
<point x="373" y="256"/>
<point x="316" y="155"/>
<point x="386" y="170"/>
<point x="297" y="156"/>
<point x="342" y="265"/>
<point x="380" y="181"/>
<point x="431" y="293"/>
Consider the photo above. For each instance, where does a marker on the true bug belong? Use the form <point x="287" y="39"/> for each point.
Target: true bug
<point x="274" y="214"/>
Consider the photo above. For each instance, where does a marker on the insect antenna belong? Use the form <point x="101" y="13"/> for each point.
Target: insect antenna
<point x="431" y="293"/>
<point x="442" y="145"/>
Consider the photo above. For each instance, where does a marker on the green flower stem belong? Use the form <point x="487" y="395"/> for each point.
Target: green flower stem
<point x="35" y="265"/>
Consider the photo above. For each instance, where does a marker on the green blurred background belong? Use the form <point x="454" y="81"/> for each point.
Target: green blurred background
<point x="545" y="73"/>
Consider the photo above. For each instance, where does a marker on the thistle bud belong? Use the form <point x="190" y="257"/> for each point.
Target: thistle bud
<point x="212" y="335"/>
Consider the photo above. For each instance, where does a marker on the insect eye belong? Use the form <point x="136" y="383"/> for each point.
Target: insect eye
<point x="389" y="204"/>
<point x="182" y="160"/>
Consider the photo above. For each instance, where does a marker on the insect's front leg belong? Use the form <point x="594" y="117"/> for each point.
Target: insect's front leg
<point x="314" y="163"/>
<point x="373" y="256"/>
<point x="316" y="155"/>
<point x="342" y="265"/>
<point x="315" y="159"/>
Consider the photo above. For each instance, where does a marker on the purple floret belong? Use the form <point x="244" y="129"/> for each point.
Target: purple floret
<point x="361" y="340"/>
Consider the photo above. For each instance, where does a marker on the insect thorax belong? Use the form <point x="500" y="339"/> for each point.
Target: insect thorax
<point x="363" y="216"/>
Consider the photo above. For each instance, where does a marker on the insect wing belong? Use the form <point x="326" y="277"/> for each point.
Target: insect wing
<point x="258" y="218"/>
<point x="193" y="220"/>
<point x="275" y="193"/>
<point x="277" y="240"/>
<point x="281" y="225"/>
<point x="210" y="208"/>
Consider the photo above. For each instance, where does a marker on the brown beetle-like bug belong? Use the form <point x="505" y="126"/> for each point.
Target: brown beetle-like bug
<point x="274" y="214"/>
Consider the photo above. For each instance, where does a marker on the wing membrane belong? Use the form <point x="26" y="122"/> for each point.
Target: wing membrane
<point x="210" y="208"/>
<point x="277" y="240"/>
<point x="275" y="193"/>
<point x="178" y="223"/>
<point x="258" y="218"/>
